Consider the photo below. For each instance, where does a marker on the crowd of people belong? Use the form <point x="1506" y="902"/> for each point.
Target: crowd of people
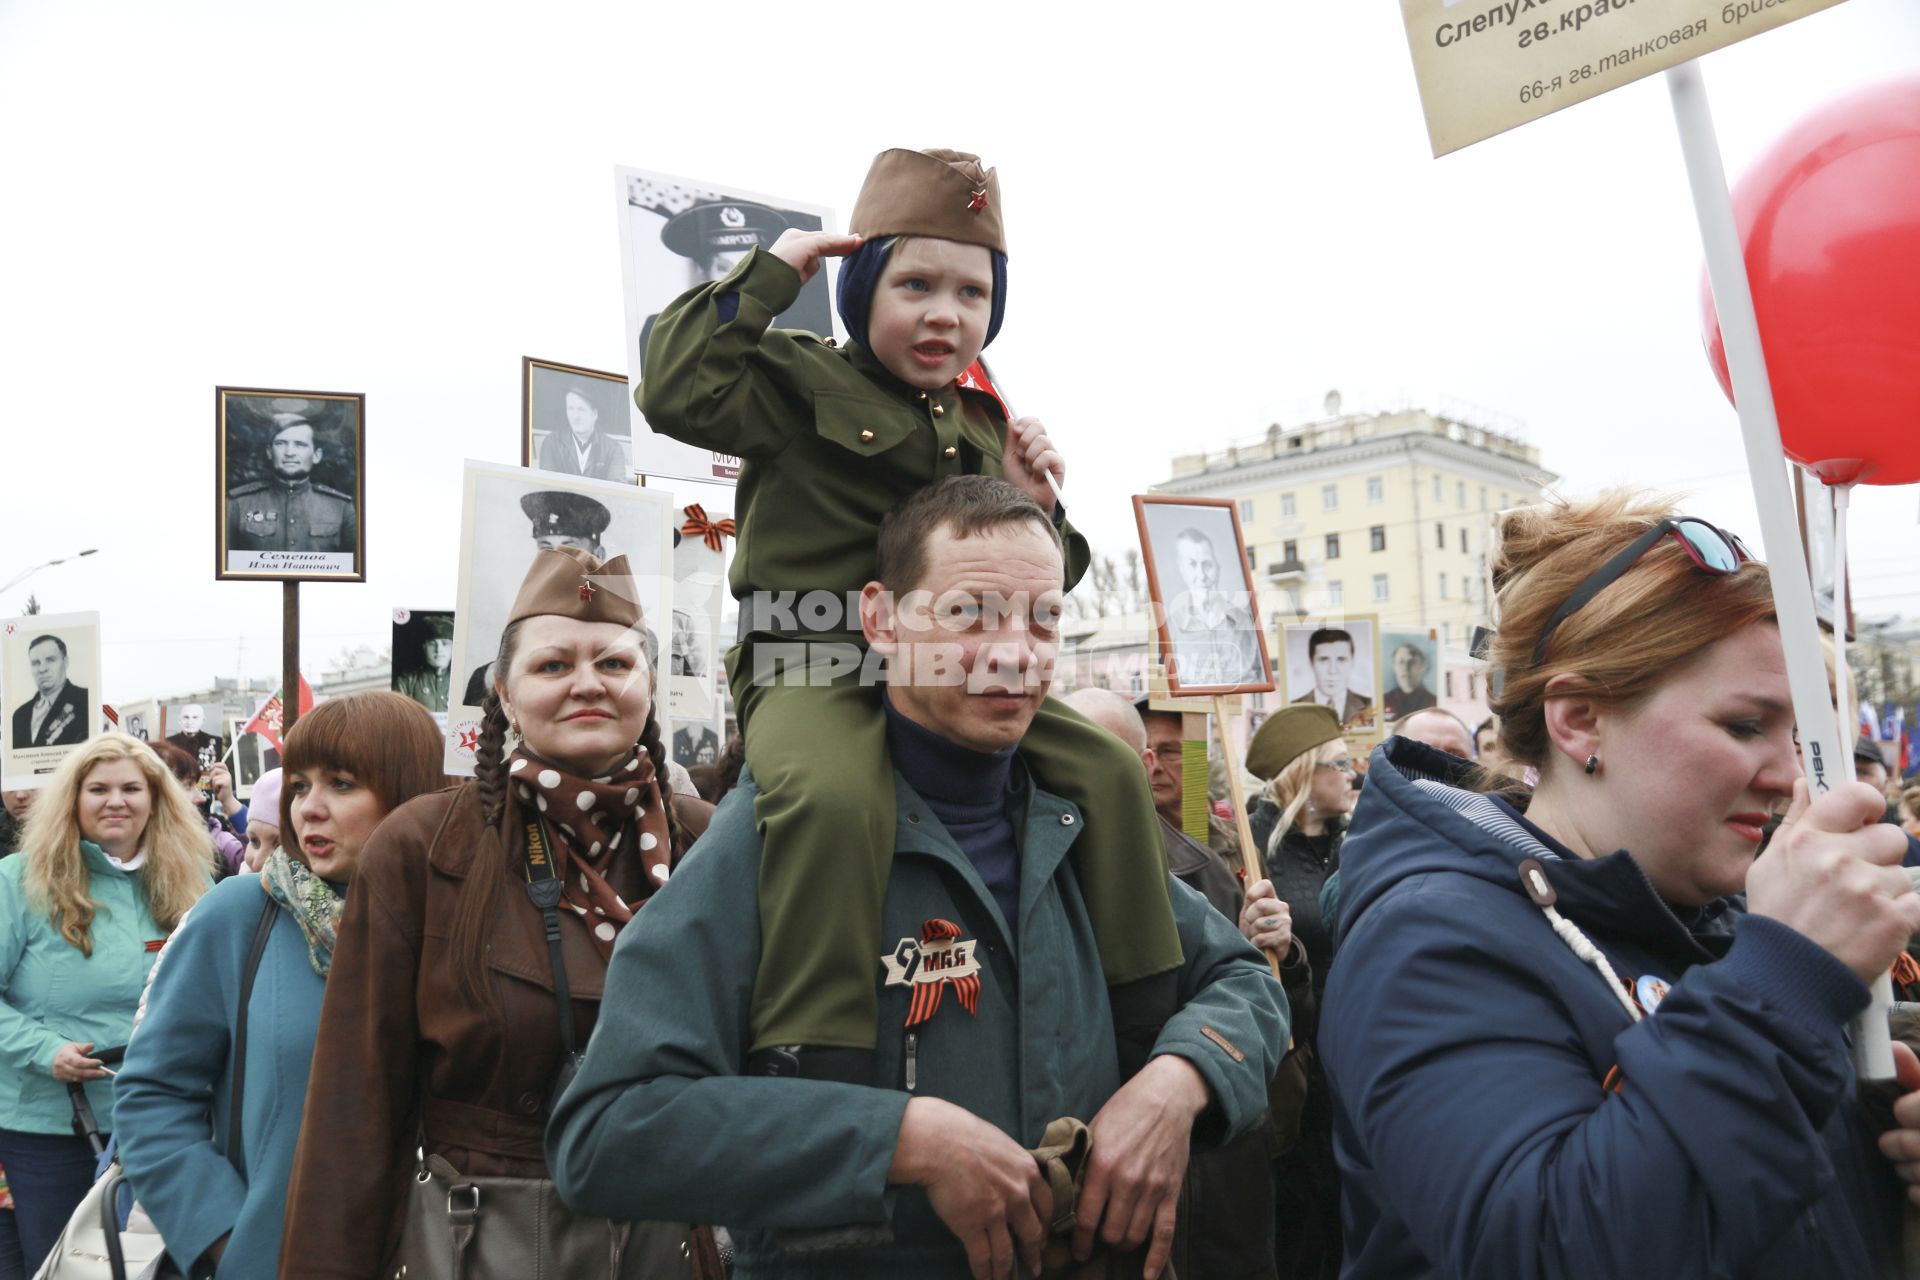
<point x="930" y="978"/>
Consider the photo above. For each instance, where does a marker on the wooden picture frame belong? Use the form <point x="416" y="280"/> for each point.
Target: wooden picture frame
<point x="289" y="485"/>
<point x="557" y="397"/>
<point x="1217" y="645"/>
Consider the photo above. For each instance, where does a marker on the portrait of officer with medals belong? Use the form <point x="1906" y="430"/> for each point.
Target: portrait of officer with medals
<point x="56" y="714"/>
<point x="290" y="480"/>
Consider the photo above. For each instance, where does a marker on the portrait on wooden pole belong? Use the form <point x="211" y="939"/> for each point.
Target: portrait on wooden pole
<point x="290" y="488"/>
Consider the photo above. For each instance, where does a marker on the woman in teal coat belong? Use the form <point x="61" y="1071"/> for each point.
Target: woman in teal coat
<point x="348" y="763"/>
<point x="113" y="857"/>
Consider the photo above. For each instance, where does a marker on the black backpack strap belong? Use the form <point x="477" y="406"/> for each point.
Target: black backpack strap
<point x="234" y="1150"/>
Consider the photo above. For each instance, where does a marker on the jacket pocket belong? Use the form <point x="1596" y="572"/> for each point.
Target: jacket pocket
<point x="863" y="425"/>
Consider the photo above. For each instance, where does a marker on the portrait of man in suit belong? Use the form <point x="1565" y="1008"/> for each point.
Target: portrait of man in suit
<point x="57" y="715"/>
<point x="581" y="446"/>
<point x="1330" y="658"/>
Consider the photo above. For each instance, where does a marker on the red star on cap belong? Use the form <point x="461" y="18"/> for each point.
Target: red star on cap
<point x="979" y="200"/>
<point x="586" y="589"/>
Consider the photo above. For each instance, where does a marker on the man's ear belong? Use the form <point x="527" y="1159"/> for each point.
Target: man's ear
<point x="319" y="455"/>
<point x="1573" y="716"/>
<point x="878" y="622"/>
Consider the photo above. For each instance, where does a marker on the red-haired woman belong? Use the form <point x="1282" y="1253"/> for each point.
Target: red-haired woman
<point x="348" y="763"/>
<point x="1551" y="1052"/>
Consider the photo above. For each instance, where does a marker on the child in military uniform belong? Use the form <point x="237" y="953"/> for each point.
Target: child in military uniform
<point x="830" y="440"/>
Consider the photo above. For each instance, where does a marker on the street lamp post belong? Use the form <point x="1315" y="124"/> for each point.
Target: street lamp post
<point x="24" y="574"/>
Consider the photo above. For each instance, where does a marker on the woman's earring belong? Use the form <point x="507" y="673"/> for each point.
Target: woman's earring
<point x="1593" y="765"/>
<point x="514" y="726"/>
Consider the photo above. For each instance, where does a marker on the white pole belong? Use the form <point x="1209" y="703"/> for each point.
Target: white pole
<point x="1824" y="755"/>
<point x="1848" y="716"/>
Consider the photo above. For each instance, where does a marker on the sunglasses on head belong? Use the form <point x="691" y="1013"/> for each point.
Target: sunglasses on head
<point x="1712" y="550"/>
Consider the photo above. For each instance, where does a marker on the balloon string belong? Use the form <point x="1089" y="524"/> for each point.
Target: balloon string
<point x="1842" y="699"/>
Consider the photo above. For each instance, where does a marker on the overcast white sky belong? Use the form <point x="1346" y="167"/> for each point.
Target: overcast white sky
<point x="1216" y="214"/>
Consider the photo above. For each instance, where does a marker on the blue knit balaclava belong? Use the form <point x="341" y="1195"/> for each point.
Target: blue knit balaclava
<point x="860" y="276"/>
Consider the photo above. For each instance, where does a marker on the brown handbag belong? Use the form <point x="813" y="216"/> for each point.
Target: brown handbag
<point x="460" y="1228"/>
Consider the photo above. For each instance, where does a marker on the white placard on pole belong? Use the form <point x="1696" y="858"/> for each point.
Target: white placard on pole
<point x="1486" y="66"/>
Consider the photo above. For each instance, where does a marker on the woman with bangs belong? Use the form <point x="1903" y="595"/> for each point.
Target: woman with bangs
<point x="111" y="859"/>
<point x="1551" y="1053"/>
<point x="472" y="960"/>
<point x="215" y="1184"/>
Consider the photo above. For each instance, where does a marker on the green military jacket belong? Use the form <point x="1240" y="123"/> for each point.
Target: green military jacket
<point x="276" y="516"/>
<point x="660" y="1124"/>
<point x="829" y="441"/>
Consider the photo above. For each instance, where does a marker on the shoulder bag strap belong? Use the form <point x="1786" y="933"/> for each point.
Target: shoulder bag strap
<point x="545" y="889"/>
<point x="265" y="927"/>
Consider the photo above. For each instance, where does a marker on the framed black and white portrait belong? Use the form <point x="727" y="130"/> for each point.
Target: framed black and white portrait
<point x="423" y="657"/>
<point x="1335" y="662"/>
<point x="508" y="515"/>
<point x="50" y="688"/>
<point x="699" y="588"/>
<point x="574" y="421"/>
<point x="676" y="233"/>
<point x="1204" y="606"/>
<point x="197" y="728"/>
<point x="1412" y="673"/>
<point x="290" y="488"/>
<point x="249" y="758"/>
<point x="141" y="719"/>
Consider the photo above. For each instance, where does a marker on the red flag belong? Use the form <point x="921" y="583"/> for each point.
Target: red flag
<point x="267" y="720"/>
<point x="979" y="379"/>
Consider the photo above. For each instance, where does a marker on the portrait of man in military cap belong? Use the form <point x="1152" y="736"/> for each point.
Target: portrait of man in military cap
<point x="290" y="485"/>
<point x="574" y="421"/>
<point x="677" y="233"/>
<point x="423" y="655"/>
<point x="509" y="514"/>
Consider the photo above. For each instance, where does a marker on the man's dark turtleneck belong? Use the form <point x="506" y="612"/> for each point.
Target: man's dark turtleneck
<point x="967" y="791"/>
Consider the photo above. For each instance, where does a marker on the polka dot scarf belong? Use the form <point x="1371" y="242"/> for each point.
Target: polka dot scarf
<point x="592" y="821"/>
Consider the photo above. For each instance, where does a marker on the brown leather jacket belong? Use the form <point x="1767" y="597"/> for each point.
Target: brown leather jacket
<point x="402" y="1055"/>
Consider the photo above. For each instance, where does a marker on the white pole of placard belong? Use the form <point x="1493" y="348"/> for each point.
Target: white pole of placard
<point x="1826" y="759"/>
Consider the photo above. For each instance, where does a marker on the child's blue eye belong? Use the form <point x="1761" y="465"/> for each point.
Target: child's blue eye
<point x="916" y="284"/>
<point x="972" y="291"/>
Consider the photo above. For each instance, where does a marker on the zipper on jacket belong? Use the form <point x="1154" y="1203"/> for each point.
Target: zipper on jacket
<point x="913" y="1059"/>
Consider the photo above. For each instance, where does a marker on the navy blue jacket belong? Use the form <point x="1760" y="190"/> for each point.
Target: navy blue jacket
<point x="1469" y="1050"/>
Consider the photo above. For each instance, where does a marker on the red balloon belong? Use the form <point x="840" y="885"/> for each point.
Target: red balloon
<point x="1830" y="222"/>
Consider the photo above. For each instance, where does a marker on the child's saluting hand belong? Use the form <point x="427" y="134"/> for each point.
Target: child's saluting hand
<point x="802" y="250"/>
<point x="1029" y="456"/>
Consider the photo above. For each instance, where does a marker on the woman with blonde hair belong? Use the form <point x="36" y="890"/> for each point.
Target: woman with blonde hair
<point x="1299" y="750"/>
<point x="1552" y="1054"/>
<point x="110" y="861"/>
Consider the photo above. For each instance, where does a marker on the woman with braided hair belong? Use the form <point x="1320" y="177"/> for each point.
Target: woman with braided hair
<point x="471" y="961"/>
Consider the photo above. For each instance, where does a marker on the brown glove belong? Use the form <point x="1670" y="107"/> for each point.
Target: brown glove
<point x="1063" y="1153"/>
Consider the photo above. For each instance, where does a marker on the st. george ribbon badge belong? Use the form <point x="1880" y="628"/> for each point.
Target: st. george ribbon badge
<point x="938" y="958"/>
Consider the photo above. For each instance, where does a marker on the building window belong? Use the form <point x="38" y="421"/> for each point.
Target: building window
<point x="1439" y="535"/>
<point x="1377" y="537"/>
<point x="1436" y="488"/>
<point x="1449" y="685"/>
<point x="1246" y="511"/>
<point x="1446" y="634"/>
<point x="1443" y="586"/>
<point x="1336" y="593"/>
<point x="1333" y="546"/>
<point x="1483" y="497"/>
<point x="1379" y="586"/>
<point x="1290" y="551"/>
<point x="1459" y="493"/>
<point x="1250" y="560"/>
<point x="1463" y="540"/>
<point x="1376" y="489"/>
<point x="1286" y="504"/>
<point x="1505" y="501"/>
<point x="1329" y="497"/>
